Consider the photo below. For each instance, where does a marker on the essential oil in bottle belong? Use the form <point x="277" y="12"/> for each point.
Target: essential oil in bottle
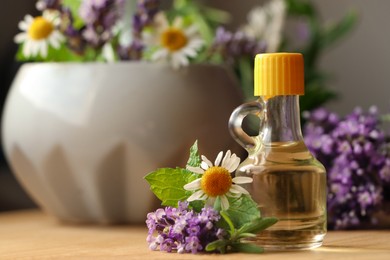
<point x="288" y="182"/>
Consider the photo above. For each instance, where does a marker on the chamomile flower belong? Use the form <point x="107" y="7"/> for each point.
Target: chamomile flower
<point x="39" y="33"/>
<point x="175" y="43"/>
<point x="216" y="181"/>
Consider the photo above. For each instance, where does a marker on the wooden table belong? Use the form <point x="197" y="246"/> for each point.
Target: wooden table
<point x="34" y="235"/>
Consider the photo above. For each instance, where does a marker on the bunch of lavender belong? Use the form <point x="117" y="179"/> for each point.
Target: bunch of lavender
<point x="183" y="230"/>
<point x="356" y="154"/>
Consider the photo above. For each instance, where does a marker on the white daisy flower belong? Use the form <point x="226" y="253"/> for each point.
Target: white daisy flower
<point x="39" y="33"/>
<point x="216" y="180"/>
<point x="175" y="42"/>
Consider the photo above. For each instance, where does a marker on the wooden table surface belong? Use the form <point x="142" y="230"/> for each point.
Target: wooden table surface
<point x="34" y="235"/>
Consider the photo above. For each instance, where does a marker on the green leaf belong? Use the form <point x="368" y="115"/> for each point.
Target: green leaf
<point x="227" y="220"/>
<point x="337" y="30"/>
<point x="242" y="210"/>
<point x="217" y="15"/>
<point x="194" y="159"/>
<point x="167" y="184"/>
<point x="74" y="6"/>
<point x="215" y="245"/>
<point x="257" y="225"/>
<point x="247" y="248"/>
<point x="197" y="205"/>
<point x="305" y="8"/>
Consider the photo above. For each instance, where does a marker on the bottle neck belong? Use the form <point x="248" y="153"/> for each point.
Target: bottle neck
<point x="281" y="120"/>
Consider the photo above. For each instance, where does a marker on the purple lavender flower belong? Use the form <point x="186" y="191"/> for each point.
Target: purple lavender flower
<point x="144" y="16"/>
<point x="100" y="17"/>
<point x="232" y="46"/>
<point x="147" y="9"/>
<point x="193" y="244"/>
<point x="352" y="151"/>
<point x="182" y="230"/>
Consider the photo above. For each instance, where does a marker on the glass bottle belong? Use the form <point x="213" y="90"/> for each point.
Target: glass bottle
<point x="288" y="182"/>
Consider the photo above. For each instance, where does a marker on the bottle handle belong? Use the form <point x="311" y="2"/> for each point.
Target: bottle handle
<point x="235" y="124"/>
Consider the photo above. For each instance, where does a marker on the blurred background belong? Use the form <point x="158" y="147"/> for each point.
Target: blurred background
<point x="359" y="65"/>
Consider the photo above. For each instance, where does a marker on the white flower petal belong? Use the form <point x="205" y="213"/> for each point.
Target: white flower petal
<point x="160" y="54"/>
<point x="195" y="169"/>
<point x="27" y="49"/>
<point x="35" y="47"/>
<point x="195" y="44"/>
<point x="181" y="58"/>
<point x="209" y="163"/>
<point x="242" y="180"/>
<point x="189" y="52"/>
<point x="28" y="18"/>
<point x="43" y="49"/>
<point x="224" y="202"/>
<point x="178" y="22"/>
<point x="234" y="164"/>
<point x="54" y="42"/>
<point x="204" y="165"/>
<point x="23" y="25"/>
<point x="20" y="37"/>
<point x="191" y="31"/>
<point x="175" y="61"/>
<point x="226" y="159"/>
<point x="238" y="189"/>
<point x="218" y="159"/>
<point x="230" y="162"/>
<point x="194" y="185"/>
<point x="58" y="36"/>
<point x="196" y="196"/>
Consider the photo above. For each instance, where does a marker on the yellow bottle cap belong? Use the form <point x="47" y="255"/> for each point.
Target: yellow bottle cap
<point x="279" y="74"/>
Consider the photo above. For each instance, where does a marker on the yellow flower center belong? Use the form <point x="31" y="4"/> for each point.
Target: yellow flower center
<point x="216" y="181"/>
<point x="173" y="39"/>
<point x="40" y="28"/>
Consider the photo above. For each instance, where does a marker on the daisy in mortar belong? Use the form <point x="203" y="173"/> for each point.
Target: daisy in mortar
<point x="216" y="181"/>
<point x="174" y="42"/>
<point x="38" y="33"/>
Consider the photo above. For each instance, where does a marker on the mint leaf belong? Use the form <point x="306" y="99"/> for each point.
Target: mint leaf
<point x="217" y="245"/>
<point x="242" y="210"/>
<point x="194" y="159"/>
<point x="257" y="225"/>
<point x="247" y="248"/>
<point x="167" y="184"/>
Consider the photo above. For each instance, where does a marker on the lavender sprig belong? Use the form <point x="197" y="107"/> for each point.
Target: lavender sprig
<point x="183" y="230"/>
<point x="354" y="152"/>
